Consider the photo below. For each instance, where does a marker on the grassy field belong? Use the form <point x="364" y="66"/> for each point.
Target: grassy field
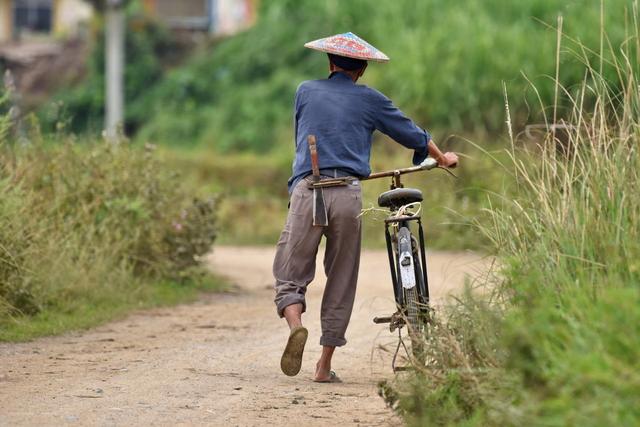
<point x="553" y="338"/>
<point x="253" y="204"/>
<point x="223" y="116"/>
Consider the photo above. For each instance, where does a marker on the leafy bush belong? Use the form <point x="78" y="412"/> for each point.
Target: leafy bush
<point x="82" y="220"/>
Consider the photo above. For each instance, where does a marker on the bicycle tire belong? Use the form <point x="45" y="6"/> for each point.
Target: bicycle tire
<point x="412" y="304"/>
<point x="415" y="324"/>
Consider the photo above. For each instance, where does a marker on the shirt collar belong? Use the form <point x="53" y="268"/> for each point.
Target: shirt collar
<point x="339" y="75"/>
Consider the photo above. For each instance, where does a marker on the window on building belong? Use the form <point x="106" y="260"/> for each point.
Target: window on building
<point x="33" y="16"/>
<point x="184" y="8"/>
<point x="187" y="14"/>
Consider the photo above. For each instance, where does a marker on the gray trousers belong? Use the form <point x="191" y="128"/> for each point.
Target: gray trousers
<point x="295" y="262"/>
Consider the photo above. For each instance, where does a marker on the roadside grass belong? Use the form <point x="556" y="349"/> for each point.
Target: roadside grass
<point x="553" y="338"/>
<point x="106" y="305"/>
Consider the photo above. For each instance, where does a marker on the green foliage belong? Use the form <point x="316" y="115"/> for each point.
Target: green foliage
<point x="561" y="344"/>
<point x="81" y="222"/>
<point x="81" y="109"/>
<point x="447" y="66"/>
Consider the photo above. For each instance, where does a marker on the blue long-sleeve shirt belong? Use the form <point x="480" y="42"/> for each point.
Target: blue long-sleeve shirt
<point x="343" y="115"/>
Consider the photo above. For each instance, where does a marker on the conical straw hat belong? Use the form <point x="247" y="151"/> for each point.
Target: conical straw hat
<point x="349" y="45"/>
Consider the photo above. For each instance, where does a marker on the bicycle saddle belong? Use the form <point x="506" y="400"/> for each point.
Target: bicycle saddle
<point x="399" y="197"/>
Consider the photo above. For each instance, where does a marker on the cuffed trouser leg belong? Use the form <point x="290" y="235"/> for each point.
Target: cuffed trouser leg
<point x="294" y="264"/>
<point x="295" y="261"/>
<point x="341" y="263"/>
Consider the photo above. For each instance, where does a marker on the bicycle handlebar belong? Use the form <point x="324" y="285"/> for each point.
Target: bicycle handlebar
<point x="428" y="164"/>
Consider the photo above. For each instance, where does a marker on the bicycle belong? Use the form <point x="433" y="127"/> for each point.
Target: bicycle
<point x="407" y="258"/>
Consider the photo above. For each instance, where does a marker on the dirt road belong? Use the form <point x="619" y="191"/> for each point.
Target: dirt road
<point x="215" y="362"/>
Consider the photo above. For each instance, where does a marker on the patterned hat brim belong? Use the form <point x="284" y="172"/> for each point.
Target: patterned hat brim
<point x="349" y="45"/>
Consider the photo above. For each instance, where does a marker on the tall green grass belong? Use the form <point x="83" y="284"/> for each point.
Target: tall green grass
<point x="554" y="341"/>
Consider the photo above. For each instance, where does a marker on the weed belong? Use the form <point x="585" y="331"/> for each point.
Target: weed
<point x="557" y="343"/>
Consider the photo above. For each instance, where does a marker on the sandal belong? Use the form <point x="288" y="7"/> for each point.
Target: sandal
<point x="291" y="361"/>
<point x="333" y="378"/>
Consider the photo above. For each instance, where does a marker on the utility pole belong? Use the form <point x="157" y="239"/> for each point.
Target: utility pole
<point x="115" y="28"/>
<point x="15" y="112"/>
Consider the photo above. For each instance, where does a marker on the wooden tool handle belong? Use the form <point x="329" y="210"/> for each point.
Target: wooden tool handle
<point x="311" y="139"/>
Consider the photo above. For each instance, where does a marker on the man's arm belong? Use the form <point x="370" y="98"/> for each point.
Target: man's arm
<point x="392" y="122"/>
<point x="447" y="160"/>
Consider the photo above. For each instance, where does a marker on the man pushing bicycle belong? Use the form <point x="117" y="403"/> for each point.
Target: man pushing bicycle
<point x="336" y="118"/>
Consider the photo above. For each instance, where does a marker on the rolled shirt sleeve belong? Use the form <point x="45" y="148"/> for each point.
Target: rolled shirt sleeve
<point x="389" y="120"/>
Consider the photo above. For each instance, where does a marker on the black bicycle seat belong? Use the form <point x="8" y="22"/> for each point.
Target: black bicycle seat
<point x="399" y="197"/>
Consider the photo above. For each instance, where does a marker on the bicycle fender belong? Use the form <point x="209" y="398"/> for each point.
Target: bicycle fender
<point x="405" y="259"/>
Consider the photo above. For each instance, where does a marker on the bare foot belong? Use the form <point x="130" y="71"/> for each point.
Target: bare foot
<point x="323" y="367"/>
<point x="323" y="373"/>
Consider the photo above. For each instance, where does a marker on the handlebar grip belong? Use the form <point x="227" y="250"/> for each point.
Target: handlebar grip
<point x="429" y="163"/>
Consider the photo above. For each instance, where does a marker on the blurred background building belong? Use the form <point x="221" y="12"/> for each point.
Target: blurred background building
<point x="41" y="19"/>
<point x="37" y="19"/>
<point x="218" y="17"/>
<point x="45" y="43"/>
<point x="43" y="38"/>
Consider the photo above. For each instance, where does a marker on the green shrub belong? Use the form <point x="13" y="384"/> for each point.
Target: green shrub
<point x="84" y="220"/>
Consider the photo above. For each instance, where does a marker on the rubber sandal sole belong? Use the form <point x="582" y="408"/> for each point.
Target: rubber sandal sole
<point x="291" y="361"/>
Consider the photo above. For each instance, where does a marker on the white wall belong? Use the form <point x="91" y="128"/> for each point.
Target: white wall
<point x="69" y="14"/>
<point x="233" y="16"/>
